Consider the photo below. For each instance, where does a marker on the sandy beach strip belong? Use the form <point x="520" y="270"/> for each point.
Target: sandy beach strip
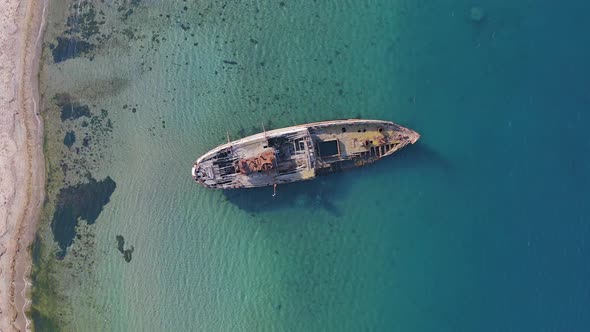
<point x="22" y="167"/>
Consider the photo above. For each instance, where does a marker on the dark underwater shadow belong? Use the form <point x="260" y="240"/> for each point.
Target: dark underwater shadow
<point x="319" y="193"/>
<point x="323" y="192"/>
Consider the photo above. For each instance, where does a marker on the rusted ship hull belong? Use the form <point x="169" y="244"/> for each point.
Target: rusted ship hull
<point x="300" y="153"/>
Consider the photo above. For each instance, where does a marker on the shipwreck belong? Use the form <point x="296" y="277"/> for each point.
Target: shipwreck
<point x="299" y="153"/>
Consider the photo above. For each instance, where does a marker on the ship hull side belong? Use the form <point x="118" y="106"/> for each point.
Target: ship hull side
<point x="325" y="147"/>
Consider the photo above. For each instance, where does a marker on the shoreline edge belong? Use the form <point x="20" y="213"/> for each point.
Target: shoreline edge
<point x="22" y="162"/>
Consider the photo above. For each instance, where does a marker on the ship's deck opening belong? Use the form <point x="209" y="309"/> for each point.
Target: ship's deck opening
<point x="328" y="148"/>
<point x="291" y="152"/>
<point x="224" y="159"/>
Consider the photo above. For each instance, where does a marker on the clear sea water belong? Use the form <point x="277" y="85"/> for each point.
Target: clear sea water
<point x="482" y="226"/>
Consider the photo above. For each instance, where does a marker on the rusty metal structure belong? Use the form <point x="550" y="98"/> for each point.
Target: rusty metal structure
<point x="299" y="153"/>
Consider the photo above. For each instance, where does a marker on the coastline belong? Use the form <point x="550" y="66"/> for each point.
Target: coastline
<point x="21" y="155"/>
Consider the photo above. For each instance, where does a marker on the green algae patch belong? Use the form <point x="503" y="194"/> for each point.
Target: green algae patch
<point x="43" y="310"/>
<point x="82" y="201"/>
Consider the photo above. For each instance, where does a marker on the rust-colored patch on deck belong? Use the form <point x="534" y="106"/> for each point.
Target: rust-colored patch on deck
<point x="263" y="162"/>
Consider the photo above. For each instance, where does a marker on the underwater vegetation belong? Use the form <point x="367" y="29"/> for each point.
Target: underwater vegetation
<point x="82" y="201"/>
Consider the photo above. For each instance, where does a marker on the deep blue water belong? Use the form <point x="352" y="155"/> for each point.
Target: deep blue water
<point x="483" y="225"/>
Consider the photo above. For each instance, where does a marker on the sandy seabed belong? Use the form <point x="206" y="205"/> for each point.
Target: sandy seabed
<point x="22" y="168"/>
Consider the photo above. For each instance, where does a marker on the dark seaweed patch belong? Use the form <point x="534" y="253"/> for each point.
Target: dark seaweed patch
<point x="69" y="48"/>
<point x="127" y="253"/>
<point x="70" y="110"/>
<point x="74" y="111"/>
<point x="42" y="322"/>
<point x="127" y="11"/>
<point x="69" y="139"/>
<point x="84" y="23"/>
<point x="120" y="243"/>
<point x="36" y="250"/>
<point x="82" y="201"/>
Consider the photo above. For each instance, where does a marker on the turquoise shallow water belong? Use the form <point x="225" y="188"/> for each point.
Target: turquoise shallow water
<point x="483" y="225"/>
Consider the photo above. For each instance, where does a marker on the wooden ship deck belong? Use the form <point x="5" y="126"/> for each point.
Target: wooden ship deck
<point x="299" y="153"/>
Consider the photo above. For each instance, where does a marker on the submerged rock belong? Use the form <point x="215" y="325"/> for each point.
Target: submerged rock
<point x="477" y="14"/>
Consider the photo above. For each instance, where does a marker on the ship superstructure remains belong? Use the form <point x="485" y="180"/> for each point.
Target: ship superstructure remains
<point x="300" y="153"/>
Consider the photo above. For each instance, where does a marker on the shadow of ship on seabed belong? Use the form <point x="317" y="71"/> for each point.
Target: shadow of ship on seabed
<point x="322" y="192"/>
